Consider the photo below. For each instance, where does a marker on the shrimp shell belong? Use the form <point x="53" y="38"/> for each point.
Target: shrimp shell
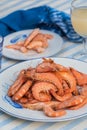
<point x="61" y="98"/>
<point x="48" y="66"/>
<point x="46" y="77"/>
<point x="73" y="101"/>
<point x="40" y="91"/>
<point x="79" y="105"/>
<point x="34" y="44"/>
<point x="36" y="105"/>
<point x="21" y="92"/>
<point x="45" y="67"/>
<point x="49" y="111"/>
<point x="17" y="84"/>
<point x="68" y="77"/>
<point x="31" y="36"/>
<point x="81" y="78"/>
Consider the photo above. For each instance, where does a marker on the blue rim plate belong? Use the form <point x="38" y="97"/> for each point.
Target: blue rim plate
<point x="13" y="109"/>
<point x="54" y="46"/>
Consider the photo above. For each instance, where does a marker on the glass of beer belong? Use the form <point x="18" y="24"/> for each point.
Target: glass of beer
<point x="79" y="20"/>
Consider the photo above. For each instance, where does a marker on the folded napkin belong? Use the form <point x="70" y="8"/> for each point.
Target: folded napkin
<point x="43" y="17"/>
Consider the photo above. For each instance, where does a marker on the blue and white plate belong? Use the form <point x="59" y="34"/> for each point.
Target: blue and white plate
<point x="54" y="46"/>
<point x="8" y="106"/>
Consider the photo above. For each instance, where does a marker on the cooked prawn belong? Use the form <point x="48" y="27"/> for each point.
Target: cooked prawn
<point x="36" y="105"/>
<point x="81" y="78"/>
<point x="23" y="100"/>
<point x="68" y="77"/>
<point x="18" y="46"/>
<point x="29" y="95"/>
<point x="64" y="83"/>
<point x="61" y="98"/>
<point x="34" y="44"/>
<point x="17" y="84"/>
<point x="73" y="101"/>
<point x="31" y="36"/>
<point x="40" y="91"/>
<point x="45" y="67"/>
<point x="48" y="77"/>
<point x="39" y="49"/>
<point x="48" y="65"/>
<point x="23" y="49"/>
<point x="24" y="88"/>
<point x="49" y="111"/>
<point x="79" y="105"/>
<point x="13" y="46"/>
<point x="43" y="38"/>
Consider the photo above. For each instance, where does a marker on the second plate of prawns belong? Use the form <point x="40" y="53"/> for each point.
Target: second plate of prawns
<point x="31" y="44"/>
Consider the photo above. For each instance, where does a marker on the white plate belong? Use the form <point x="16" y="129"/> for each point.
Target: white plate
<point x="9" y="107"/>
<point x="54" y="46"/>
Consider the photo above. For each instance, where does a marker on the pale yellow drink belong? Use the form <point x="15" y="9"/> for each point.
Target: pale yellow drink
<point x="79" y="20"/>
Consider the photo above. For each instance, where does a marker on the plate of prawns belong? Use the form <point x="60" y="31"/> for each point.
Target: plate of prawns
<point x="31" y="44"/>
<point x="46" y="89"/>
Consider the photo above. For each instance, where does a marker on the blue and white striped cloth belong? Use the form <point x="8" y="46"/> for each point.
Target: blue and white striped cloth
<point x="43" y="17"/>
<point x="70" y="49"/>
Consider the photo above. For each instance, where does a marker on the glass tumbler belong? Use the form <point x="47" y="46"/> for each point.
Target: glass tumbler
<point x="79" y="20"/>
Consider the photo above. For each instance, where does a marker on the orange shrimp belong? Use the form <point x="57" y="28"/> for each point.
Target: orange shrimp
<point x="79" y="105"/>
<point x="23" y="100"/>
<point x="48" y="65"/>
<point x="21" y="92"/>
<point x="73" y="101"/>
<point x="48" y="77"/>
<point x="18" y="46"/>
<point x="61" y="67"/>
<point x="17" y="84"/>
<point x="23" y="49"/>
<point x="68" y="77"/>
<point x="40" y="91"/>
<point x="44" y="41"/>
<point x="29" y="94"/>
<point x="81" y="78"/>
<point x="49" y="111"/>
<point x="55" y="65"/>
<point x="39" y="49"/>
<point x="31" y="36"/>
<point x="65" y="85"/>
<point x="38" y="37"/>
<point x="13" y="46"/>
<point x="41" y="37"/>
<point x="45" y="67"/>
<point x="61" y="98"/>
<point x="34" y="44"/>
<point x="36" y="105"/>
